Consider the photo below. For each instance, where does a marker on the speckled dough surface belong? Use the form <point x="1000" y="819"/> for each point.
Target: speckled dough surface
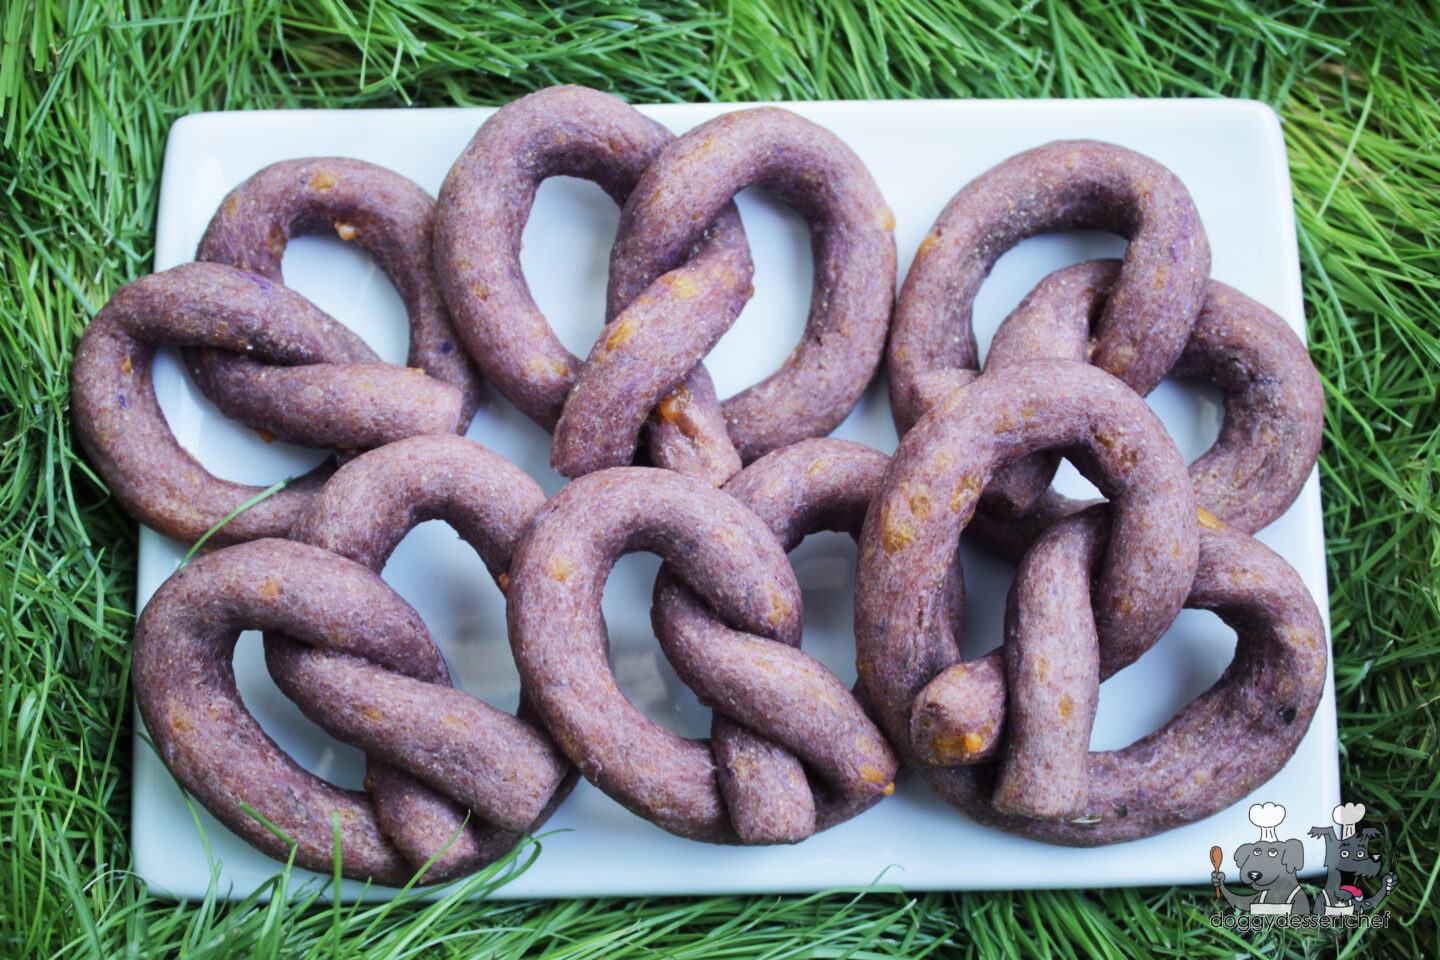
<point x="123" y="430"/>
<point x="184" y="683"/>
<point x="362" y="513"/>
<point x="484" y="205"/>
<point x="1274" y="403"/>
<point x="774" y="694"/>
<point x="908" y="657"/>
<point x="1220" y="747"/>
<point x="1063" y="185"/>
<point x="387" y="215"/>
<point x="715" y="546"/>
<point x="851" y="235"/>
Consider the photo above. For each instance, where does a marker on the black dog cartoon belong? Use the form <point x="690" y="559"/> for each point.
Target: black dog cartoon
<point x="1269" y="866"/>
<point x="1349" y="853"/>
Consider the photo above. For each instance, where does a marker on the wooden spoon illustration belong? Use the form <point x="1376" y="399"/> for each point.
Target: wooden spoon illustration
<point x="1216" y="855"/>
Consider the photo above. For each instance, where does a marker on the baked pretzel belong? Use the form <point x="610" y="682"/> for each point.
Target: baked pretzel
<point x="377" y="681"/>
<point x="686" y="187"/>
<point x="814" y="485"/>
<point x="907" y="654"/>
<point x="1063" y="185"/>
<point x="730" y="559"/>
<point x="123" y="430"/>
<point x="1225" y="743"/>
<point x="387" y="215"/>
<point x="363" y="513"/>
<point x="483" y="207"/>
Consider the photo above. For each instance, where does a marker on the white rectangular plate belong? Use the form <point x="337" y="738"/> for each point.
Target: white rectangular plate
<point x="1231" y="156"/>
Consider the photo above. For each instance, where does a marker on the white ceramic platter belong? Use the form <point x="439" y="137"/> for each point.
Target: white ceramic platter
<point x="1232" y="157"/>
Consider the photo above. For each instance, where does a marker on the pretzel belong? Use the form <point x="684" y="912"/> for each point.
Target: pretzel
<point x="123" y="430"/>
<point x="907" y="654"/>
<point x="382" y="685"/>
<point x="387" y="215"/>
<point x="483" y="207"/>
<point x="1274" y="403"/>
<point x="1062" y="185"/>
<point x="730" y="559"/>
<point x="688" y="184"/>
<point x="363" y="513"/>
<point x="1224" y="744"/>
<point x="798" y="490"/>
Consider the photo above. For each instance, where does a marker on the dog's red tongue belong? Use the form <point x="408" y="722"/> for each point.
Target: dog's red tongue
<point x="1354" y="891"/>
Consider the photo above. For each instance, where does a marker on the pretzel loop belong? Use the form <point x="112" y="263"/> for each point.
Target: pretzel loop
<point x="124" y="432"/>
<point x="385" y="689"/>
<point x="388" y="216"/>
<point x="728" y="557"/>
<point x="907" y="654"/>
<point x="363" y="513"/>
<point x="1059" y="186"/>
<point x="483" y="207"/>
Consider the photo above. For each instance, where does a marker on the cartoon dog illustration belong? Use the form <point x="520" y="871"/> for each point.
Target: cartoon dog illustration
<point x="1269" y="866"/>
<point x="1349" y="853"/>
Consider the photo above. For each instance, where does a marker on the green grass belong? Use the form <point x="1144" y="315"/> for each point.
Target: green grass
<point x="87" y="94"/>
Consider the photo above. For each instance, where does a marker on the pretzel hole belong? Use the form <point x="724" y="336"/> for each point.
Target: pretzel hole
<point x="346" y="282"/>
<point x="228" y="449"/>
<point x="447" y="583"/>
<point x="825" y="565"/>
<point x="1027" y="263"/>
<point x="641" y="670"/>
<point x="773" y="321"/>
<point x="1193" y="411"/>
<point x="1142" y="698"/>
<point x="310" y="746"/>
<point x="565" y="257"/>
<point x="987" y="583"/>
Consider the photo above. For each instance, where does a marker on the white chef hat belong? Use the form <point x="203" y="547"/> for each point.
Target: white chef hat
<point x="1267" y="817"/>
<point x="1347" y="815"/>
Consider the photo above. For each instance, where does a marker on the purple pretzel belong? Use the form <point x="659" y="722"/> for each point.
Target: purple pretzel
<point x="381" y="684"/>
<point x="484" y="205"/>
<point x="730" y="559"/>
<point x="908" y="657"/>
<point x="689" y="184"/>
<point x="124" y="432"/>
<point x="363" y="513"/>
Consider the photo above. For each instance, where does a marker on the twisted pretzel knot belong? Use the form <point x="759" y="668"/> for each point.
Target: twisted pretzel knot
<point x="369" y="648"/>
<point x="1274" y="403"/>
<point x="484" y="205"/>
<point x="798" y="490"/>
<point x="363" y="513"/>
<point x="908" y="658"/>
<point x="691" y="181"/>
<point x="1226" y="742"/>
<point x="387" y="215"/>
<point x="121" y="426"/>
<point x="727" y="556"/>
<point x="680" y="272"/>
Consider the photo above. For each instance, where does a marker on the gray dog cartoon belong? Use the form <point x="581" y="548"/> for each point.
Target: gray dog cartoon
<point x="1269" y="866"/>
<point x="1349" y="853"/>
